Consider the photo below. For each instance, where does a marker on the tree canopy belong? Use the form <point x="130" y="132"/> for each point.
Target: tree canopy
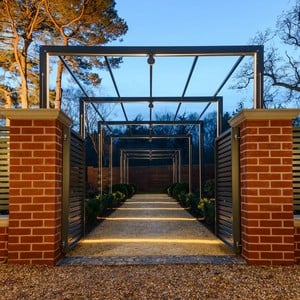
<point x="281" y="62"/>
<point x="24" y="25"/>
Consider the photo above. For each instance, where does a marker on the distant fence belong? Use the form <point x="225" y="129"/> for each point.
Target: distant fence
<point x="149" y="178"/>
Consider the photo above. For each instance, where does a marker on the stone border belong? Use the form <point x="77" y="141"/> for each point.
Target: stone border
<point x="150" y="260"/>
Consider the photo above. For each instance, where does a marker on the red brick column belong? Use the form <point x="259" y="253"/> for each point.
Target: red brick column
<point x="297" y="240"/>
<point x="3" y="238"/>
<point x="34" y="232"/>
<point x="267" y="221"/>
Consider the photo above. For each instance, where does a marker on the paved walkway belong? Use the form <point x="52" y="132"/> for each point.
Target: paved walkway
<point x="150" y="228"/>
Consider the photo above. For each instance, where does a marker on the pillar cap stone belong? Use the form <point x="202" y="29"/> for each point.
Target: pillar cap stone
<point x="264" y="114"/>
<point x="35" y="114"/>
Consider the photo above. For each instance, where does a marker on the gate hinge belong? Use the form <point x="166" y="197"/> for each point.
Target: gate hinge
<point x="236" y="137"/>
<point x="238" y="244"/>
<point x="65" y="136"/>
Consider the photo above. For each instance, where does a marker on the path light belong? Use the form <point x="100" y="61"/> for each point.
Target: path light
<point x="152" y="241"/>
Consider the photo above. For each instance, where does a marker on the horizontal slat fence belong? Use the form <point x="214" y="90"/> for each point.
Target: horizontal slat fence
<point x="227" y="189"/>
<point x="296" y="169"/>
<point x="77" y="189"/>
<point x="4" y="169"/>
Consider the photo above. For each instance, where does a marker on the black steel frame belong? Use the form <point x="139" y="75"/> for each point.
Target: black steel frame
<point x="256" y="51"/>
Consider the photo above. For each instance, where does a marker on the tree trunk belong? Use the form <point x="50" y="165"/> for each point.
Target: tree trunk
<point x="58" y="89"/>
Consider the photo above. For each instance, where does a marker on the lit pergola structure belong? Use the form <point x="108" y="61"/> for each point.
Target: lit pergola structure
<point x="255" y="51"/>
<point x="150" y="154"/>
<point x="150" y="137"/>
<point x="188" y="137"/>
<point x="151" y="100"/>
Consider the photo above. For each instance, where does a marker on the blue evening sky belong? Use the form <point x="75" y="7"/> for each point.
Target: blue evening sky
<point x="186" y="23"/>
<point x="197" y="22"/>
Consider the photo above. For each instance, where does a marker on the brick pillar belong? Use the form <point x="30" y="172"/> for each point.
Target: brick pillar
<point x="34" y="232"/>
<point x="3" y="238"/>
<point x="267" y="221"/>
<point x="297" y="240"/>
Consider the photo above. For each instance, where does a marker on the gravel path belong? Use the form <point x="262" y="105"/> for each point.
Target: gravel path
<point x="203" y="281"/>
<point x="150" y="225"/>
<point x="175" y="269"/>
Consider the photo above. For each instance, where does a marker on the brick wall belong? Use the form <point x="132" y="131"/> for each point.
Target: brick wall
<point x="297" y="243"/>
<point x="149" y="178"/>
<point x="267" y="221"/>
<point x="34" y="232"/>
<point x="3" y="241"/>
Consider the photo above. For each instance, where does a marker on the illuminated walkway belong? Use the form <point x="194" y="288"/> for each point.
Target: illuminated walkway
<point x="150" y="226"/>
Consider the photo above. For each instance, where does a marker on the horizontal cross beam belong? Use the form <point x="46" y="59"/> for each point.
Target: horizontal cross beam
<point x="150" y="123"/>
<point x="151" y="99"/>
<point x="155" y="51"/>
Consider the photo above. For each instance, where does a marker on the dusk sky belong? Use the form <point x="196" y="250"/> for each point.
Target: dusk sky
<point x="187" y="23"/>
<point x="197" y="22"/>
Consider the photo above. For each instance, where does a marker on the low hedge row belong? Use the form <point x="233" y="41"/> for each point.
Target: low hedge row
<point x="204" y="207"/>
<point x="99" y="205"/>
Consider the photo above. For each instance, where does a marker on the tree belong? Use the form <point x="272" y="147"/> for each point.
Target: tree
<point x="84" y="22"/>
<point x="21" y="23"/>
<point x="281" y="64"/>
<point x="24" y="25"/>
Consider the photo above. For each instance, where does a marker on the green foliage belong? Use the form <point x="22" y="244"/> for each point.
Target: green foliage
<point x="176" y="189"/>
<point x="93" y="208"/>
<point x="207" y="208"/>
<point x="204" y="207"/>
<point x="99" y="205"/>
<point x="117" y="198"/>
<point x="127" y="189"/>
<point x="24" y="25"/>
<point x="182" y="198"/>
<point x="209" y="188"/>
<point x="179" y="188"/>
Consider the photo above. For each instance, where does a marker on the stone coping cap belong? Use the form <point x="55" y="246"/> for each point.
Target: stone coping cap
<point x="35" y="114"/>
<point x="4" y="221"/>
<point x="264" y="114"/>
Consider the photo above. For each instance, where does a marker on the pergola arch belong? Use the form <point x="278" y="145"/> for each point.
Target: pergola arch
<point x="151" y="53"/>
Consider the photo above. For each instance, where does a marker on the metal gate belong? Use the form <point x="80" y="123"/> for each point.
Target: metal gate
<point x="4" y="169"/>
<point x="228" y="189"/>
<point x="73" y="189"/>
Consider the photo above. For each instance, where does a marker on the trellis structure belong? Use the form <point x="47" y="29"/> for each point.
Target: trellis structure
<point x="151" y="53"/>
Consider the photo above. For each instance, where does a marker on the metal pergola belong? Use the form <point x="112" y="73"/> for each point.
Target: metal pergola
<point x="150" y="154"/>
<point x="124" y="165"/>
<point x="255" y="51"/>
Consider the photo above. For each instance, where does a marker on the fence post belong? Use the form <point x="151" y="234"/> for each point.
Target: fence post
<point x="35" y="185"/>
<point x="266" y="180"/>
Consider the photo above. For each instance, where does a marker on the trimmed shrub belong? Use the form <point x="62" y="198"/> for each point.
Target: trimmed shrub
<point x="127" y="189"/>
<point x="207" y="208"/>
<point x="178" y="188"/>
